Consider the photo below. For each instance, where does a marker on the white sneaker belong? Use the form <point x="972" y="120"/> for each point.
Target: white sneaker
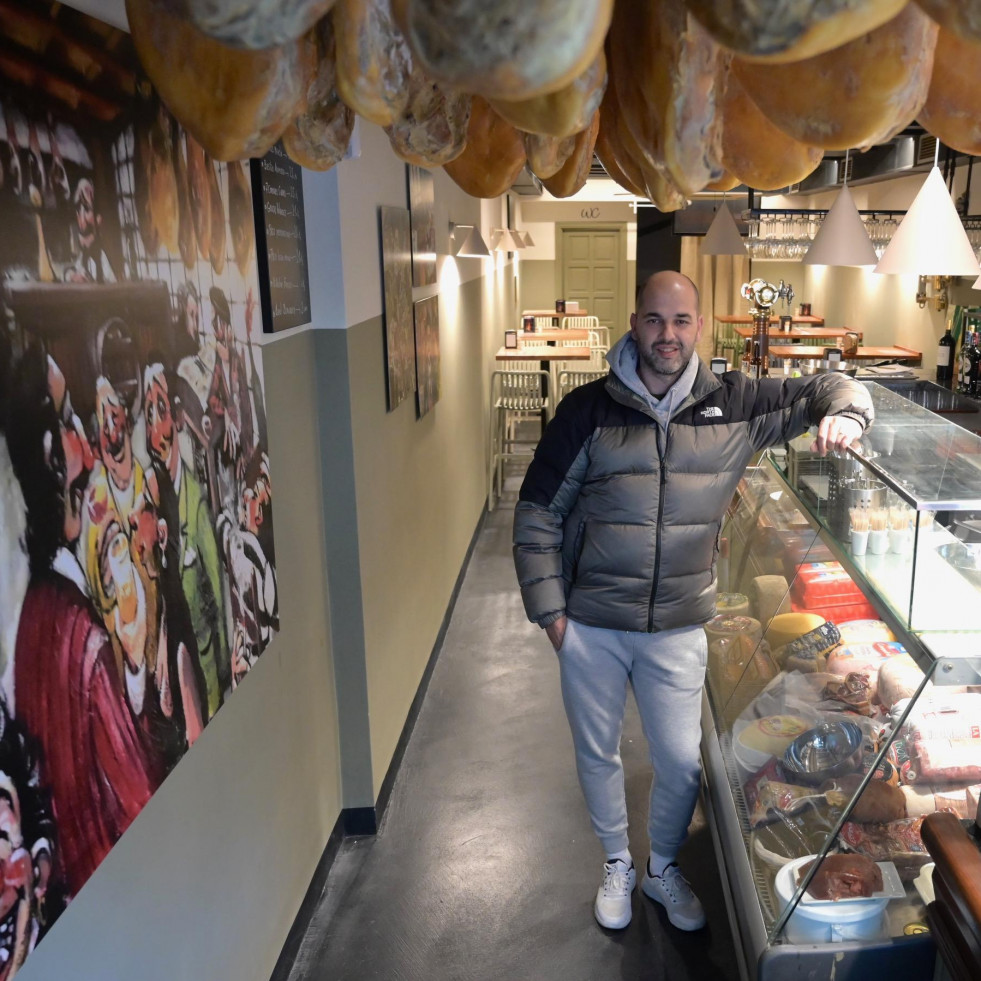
<point x="672" y="891"/>
<point x="612" y="908"/>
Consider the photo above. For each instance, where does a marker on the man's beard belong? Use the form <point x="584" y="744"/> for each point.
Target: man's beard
<point x="661" y="365"/>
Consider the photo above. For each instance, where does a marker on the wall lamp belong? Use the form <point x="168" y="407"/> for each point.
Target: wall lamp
<point x="467" y="242"/>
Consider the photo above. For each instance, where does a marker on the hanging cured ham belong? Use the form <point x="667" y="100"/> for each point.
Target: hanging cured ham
<point x="861" y="93"/>
<point x="199" y="195"/>
<point x="574" y="172"/>
<point x="373" y="60"/>
<point x="952" y="112"/>
<point x="563" y="113"/>
<point x="164" y="201"/>
<point x="235" y="103"/>
<point x="960" y="17"/>
<point x="240" y="219"/>
<point x="186" y="239"/>
<point x="547" y="154"/>
<point x="610" y="150"/>
<point x="432" y="129"/>
<point x="755" y="151"/>
<point x="508" y="49"/>
<point x="253" y="23"/>
<point x="493" y="156"/>
<point x="319" y="135"/>
<point x="216" y="253"/>
<point x="668" y="99"/>
<point x="789" y="30"/>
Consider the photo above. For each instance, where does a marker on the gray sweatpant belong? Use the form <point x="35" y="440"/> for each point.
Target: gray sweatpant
<point x="666" y="671"/>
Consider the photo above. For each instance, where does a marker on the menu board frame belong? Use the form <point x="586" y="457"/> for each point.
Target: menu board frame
<point x="277" y="198"/>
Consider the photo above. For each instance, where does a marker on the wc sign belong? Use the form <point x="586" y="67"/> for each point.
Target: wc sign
<point x="590" y="213"/>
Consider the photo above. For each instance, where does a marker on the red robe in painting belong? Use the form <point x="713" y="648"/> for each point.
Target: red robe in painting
<point x="69" y="695"/>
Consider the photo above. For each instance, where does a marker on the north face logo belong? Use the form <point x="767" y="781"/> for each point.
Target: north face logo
<point x="712" y="412"/>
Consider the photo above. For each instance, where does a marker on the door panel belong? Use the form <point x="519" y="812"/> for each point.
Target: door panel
<point x="591" y="273"/>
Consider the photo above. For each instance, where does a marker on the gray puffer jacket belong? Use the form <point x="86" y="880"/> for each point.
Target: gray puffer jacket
<point x="618" y="518"/>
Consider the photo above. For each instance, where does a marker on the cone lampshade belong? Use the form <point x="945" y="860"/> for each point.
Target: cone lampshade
<point x="722" y="237"/>
<point x="842" y="239"/>
<point x="471" y="242"/>
<point x="528" y="240"/>
<point x="930" y="240"/>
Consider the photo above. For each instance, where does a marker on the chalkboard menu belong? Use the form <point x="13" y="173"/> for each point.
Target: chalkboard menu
<point x="281" y="240"/>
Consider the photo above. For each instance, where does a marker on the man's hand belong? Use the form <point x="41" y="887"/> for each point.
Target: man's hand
<point x="836" y="433"/>
<point x="556" y="632"/>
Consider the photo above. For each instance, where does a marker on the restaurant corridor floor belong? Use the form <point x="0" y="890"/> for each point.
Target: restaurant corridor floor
<point x="485" y="866"/>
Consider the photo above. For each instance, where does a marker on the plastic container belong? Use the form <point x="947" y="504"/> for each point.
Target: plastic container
<point x="815" y="923"/>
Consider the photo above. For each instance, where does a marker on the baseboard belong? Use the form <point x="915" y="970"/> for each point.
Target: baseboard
<point x="311" y="900"/>
<point x="358" y="821"/>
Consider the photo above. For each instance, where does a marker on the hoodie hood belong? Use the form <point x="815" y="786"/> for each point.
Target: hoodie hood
<point x="623" y="359"/>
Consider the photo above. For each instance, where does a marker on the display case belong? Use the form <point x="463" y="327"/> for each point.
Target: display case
<point x="843" y="693"/>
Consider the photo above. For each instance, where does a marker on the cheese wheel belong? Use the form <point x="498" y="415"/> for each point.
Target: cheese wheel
<point x="563" y="113"/>
<point x="770" y="595"/>
<point x="773" y="733"/>
<point x="861" y="93"/>
<point x="671" y="97"/>
<point x="432" y="129"/>
<point x="318" y="137"/>
<point x="952" y="111"/>
<point x="509" y="49"/>
<point x="252" y="23"/>
<point x="493" y="156"/>
<point x="572" y="176"/>
<point x="785" y="627"/>
<point x="732" y="604"/>
<point x="547" y="154"/>
<point x="961" y="17"/>
<point x="755" y="151"/>
<point x="788" y="30"/>
<point x="373" y="60"/>
<point x="236" y="104"/>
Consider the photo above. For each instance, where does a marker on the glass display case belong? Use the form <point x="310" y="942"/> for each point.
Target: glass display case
<point x="843" y="692"/>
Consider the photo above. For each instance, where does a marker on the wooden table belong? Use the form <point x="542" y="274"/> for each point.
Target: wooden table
<point x="581" y="312"/>
<point x="742" y="318"/>
<point x="801" y="333"/>
<point x="862" y="354"/>
<point x="550" y="336"/>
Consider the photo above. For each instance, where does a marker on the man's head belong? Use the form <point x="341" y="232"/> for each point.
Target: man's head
<point x="50" y="454"/>
<point x="161" y="426"/>
<point x="666" y="327"/>
<point x="86" y="218"/>
<point x="115" y="445"/>
<point x="189" y="309"/>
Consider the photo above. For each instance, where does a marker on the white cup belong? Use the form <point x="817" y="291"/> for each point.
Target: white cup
<point x="860" y="541"/>
<point x="879" y="541"/>
<point x="901" y="540"/>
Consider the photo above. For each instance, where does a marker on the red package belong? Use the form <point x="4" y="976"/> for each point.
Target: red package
<point x="825" y="583"/>
<point x="838" y="614"/>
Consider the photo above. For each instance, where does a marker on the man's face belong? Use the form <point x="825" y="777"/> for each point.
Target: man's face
<point x="114" y="436"/>
<point x="77" y="453"/>
<point x="192" y="319"/>
<point x="85" y="216"/>
<point x="666" y="326"/>
<point x="16" y="883"/>
<point x="160" y="429"/>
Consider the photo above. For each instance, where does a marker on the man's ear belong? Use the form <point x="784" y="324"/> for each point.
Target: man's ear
<point x="633" y="322"/>
<point x="162" y="532"/>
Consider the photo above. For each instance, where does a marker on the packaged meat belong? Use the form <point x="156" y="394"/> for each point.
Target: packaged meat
<point x="898" y="678"/>
<point x="946" y="715"/>
<point x="864" y="658"/>
<point x="895" y="841"/>
<point x="950" y="760"/>
<point x="925" y="798"/>
<point x="880" y="802"/>
<point x="853" y="692"/>
<point x="776" y="801"/>
<point x="864" y="631"/>
<point x="825" y="582"/>
<point x="843" y="877"/>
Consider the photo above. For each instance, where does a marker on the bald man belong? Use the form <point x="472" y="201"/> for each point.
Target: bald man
<point x="615" y="543"/>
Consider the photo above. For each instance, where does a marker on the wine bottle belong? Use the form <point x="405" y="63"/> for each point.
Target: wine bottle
<point x="945" y="356"/>
<point x="974" y="367"/>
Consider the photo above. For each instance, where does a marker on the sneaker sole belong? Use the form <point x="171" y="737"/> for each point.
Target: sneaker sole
<point x="675" y="919"/>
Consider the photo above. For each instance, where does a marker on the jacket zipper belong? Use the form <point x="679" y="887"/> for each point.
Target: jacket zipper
<point x="657" y="540"/>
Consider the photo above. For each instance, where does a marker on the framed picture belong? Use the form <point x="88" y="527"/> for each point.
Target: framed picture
<point x="422" y="200"/>
<point x="427" y="353"/>
<point x="396" y="246"/>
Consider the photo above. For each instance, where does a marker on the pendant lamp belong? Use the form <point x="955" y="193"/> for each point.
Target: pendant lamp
<point x="722" y="237"/>
<point x="842" y="239"/>
<point x="930" y="240"/>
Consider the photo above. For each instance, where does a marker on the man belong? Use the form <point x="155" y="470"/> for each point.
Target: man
<point x="69" y="695"/>
<point x="189" y="524"/>
<point x="615" y="543"/>
<point x="92" y="265"/>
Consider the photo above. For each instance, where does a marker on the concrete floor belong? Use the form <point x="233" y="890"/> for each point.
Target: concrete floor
<point x="485" y="866"/>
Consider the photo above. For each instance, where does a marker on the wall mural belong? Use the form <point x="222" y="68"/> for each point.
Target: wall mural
<point x="426" y="313"/>
<point x="138" y="581"/>
<point x="397" y="286"/>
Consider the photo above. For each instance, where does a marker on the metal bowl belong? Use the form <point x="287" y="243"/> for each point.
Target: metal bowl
<point x="830" y="749"/>
<point x="965" y="558"/>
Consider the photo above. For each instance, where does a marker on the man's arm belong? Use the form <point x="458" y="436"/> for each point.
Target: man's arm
<point x="838" y="405"/>
<point x="548" y="493"/>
